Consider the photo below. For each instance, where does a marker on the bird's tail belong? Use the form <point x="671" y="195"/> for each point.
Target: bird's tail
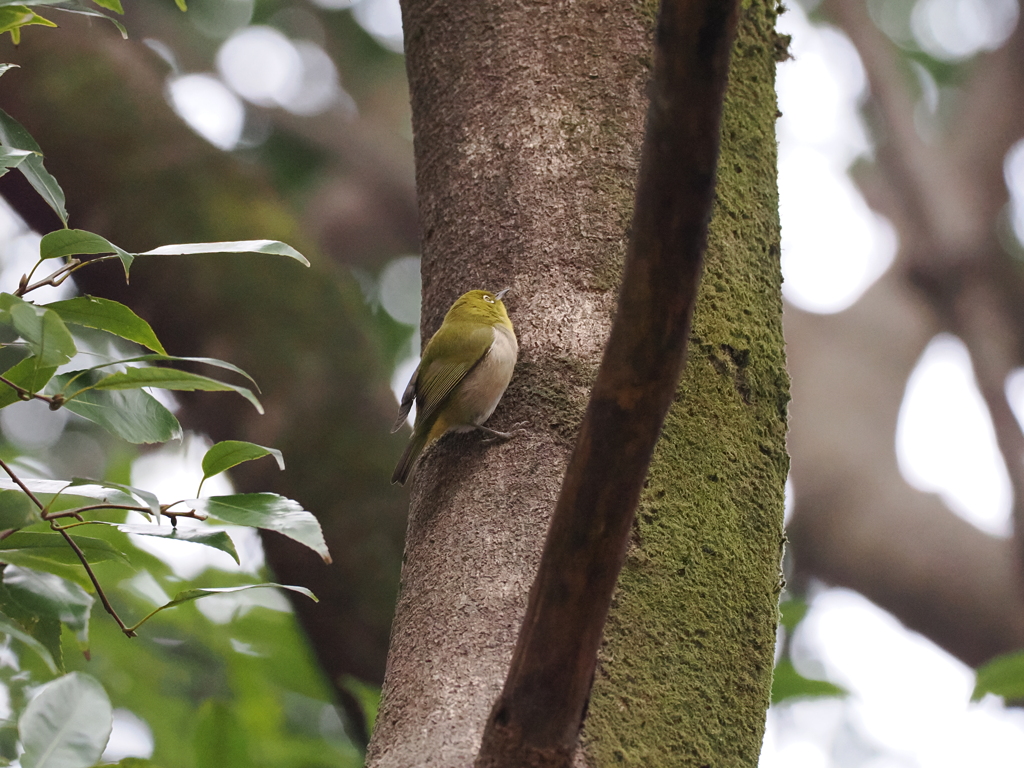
<point x="412" y="452"/>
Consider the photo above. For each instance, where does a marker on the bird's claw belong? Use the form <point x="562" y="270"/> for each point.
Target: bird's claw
<point x="494" y="435"/>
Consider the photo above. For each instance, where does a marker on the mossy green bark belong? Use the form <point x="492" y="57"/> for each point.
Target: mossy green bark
<point x="686" y="668"/>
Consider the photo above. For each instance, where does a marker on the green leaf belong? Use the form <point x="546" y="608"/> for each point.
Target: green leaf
<point x="14" y="17"/>
<point x="170" y="378"/>
<point x="44" y="594"/>
<point x="181" y="5"/>
<point x="109" y="316"/>
<point x="13" y="135"/>
<point x="16" y="510"/>
<point x="86" y="491"/>
<point x="230" y="453"/>
<point x="1003" y="676"/>
<point x="67" y="724"/>
<point x="46" y="630"/>
<point x="787" y="683"/>
<point x="67" y="571"/>
<point x="44" y="331"/>
<point x="8" y="627"/>
<point x="211" y="361"/>
<point x="50" y="553"/>
<point x="72" y="6"/>
<point x="274" y="247"/>
<point x="29" y="374"/>
<point x="194" y="594"/>
<point x="169" y="359"/>
<point x="792" y="612"/>
<point x="141" y="495"/>
<point x="110" y="5"/>
<point x="133" y="415"/>
<point x="216" y="539"/>
<point x="76" y="242"/>
<point x="32" y="549"/>
<point x="12" y="158"/>
<point x="268" y="511"/>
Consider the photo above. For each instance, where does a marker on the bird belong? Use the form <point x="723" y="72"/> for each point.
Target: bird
<point x="463" y="372"/>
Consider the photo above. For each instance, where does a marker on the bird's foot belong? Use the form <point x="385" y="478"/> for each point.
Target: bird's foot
<point x="494" y="435"/>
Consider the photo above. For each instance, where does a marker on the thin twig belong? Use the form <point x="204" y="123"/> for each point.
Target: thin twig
<point x="59" y="276"/>
<point x="95" y="582"/>
<point x="146" y="618"/>
<point x="191" y="513"/>
<point x="25" y="488"/>
<point x="26" y="394"/>
<point x="55" y="278"/>
<point x="55" y="527"/>
<point x="71" y="542"/>
<point x="77" y="511"/>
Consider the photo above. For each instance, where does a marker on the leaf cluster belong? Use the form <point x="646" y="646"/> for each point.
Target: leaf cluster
<point x="51" y="574"/>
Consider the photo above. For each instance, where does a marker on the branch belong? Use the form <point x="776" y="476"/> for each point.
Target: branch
<point x="128" y="631"/>
<point x="32" y="497"/>
<point x="27" y="394"/>
<point x="57" y="277"/>
<point x="537" y="717"/>
<point x="951" y="197"/>
<point x="918" y="178"/>
<point x="71" y="543"/>
<point x="978" y="315"/>
<point x="857" y="523"/>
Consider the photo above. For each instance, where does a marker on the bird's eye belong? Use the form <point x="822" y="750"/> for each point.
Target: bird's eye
<point x="488" y="299"/>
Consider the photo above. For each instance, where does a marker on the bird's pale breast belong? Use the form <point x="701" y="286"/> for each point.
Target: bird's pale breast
<point x="483" y="387"/>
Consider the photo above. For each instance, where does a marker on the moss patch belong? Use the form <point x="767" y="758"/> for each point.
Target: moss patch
<point x="686" y="666"/>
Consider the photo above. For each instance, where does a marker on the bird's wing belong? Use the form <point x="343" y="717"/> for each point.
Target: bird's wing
<point x="407" y="399"/>
<point x="441" y="377"/>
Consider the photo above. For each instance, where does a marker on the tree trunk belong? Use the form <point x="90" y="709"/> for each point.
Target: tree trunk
<point x="528" y="122"/>
<point x="686" y="668"/>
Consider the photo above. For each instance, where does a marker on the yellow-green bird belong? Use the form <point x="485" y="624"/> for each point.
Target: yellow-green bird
<point x="462" y="374"/>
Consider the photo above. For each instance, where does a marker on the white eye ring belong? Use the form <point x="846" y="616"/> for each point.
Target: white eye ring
<point x="488" y="299"/>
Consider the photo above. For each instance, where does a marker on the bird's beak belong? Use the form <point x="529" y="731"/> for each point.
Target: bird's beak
<point x="501" y="294"/>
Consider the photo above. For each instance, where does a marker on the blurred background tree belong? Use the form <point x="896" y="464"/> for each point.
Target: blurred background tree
<point x="905" y="347"/>
<point x="303" y="106"/>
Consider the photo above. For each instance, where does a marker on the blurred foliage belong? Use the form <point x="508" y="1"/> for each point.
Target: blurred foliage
<point x="787" y="682"/>
<point x="1003" y="676"/>
<point x="251" y="679"/>
<point x="232" y="684"/>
